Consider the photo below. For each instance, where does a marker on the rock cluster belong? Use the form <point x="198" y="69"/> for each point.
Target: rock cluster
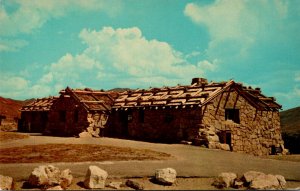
<point x="6" y="183"/>
<point x="50" y="176"/>
<point x="209" y="138"/>
<point x="96" y="124"/>
<point x="251" y="179"/>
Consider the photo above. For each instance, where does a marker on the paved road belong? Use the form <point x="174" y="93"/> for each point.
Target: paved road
<point x="188" y="160"/>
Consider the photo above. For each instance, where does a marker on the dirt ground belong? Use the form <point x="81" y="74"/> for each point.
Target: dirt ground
<point x="9" y="136"/>
<point x="195" y="166"/>
<point x="49" y="153"/>
<point x="293" y="157"/>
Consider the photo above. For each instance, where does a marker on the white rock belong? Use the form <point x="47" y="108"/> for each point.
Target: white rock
<point x="44" y="175"/>
<point x="85" y="135"/>
<point x="115" y="185"/>
<point x="264" y="181"/>
<point x="165" y="175"/>
<point x="6" y="182"/>
<point x="225" y="147"/>
<point x="50" y="176"/>
<point x="213" y="138"/>
<point x="250" y="175"/>
<point x="65" y="178"/>
<point x="238" y="184"/>
<point x="55" y="188"/>
<point x="225" y="179"/>
<point x="281" y="180"/>
<point x="95" y="177"/>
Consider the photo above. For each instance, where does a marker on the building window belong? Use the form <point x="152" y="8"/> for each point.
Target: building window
<point x="141" y="116"/>
<point x="168" y="118"/>
<point x="76" y="115"/>
<point x="129" y="117"/>
<point x="62" y="116"/>
<point x="232" y="114"/>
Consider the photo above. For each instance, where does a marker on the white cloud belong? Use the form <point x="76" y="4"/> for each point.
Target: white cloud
<point x="237" y="22"/>
<point x="11" y="45"/>
<point x="8" y="81"/>
<point x="14" y="86"/>
<point x="117" y="58"/>
<point x="127" y="52"/>
<point x="116" y="54"/>
<point x="30" y="15"/>
<point x="207" y="65"/>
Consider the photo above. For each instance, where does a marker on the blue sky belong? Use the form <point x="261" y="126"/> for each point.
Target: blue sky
<point x="48" y="45"/>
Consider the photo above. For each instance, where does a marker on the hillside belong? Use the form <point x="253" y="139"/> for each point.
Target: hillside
<point x="290" y="124"/>
<point x="290" y="120"/>
<point x="10" y="108"/>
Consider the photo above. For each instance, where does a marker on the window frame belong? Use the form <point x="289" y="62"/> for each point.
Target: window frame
<point x="232" y="114"/>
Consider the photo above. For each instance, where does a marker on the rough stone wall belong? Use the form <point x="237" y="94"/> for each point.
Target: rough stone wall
<point x="70" y="126"/>
<point x="164" y="125"/>
<point x="97" y="122"/>
<point x="257" y="131"/>
<point x="33" y="121"/>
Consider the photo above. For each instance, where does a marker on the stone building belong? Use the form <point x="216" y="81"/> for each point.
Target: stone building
<point x="34" y="116"/>
<point x="77" y="110"/>
<point x="224" y="115"/>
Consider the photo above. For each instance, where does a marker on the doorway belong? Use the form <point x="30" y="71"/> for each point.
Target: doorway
<point x="225" y="137"/>
<point x="125" y="117"/>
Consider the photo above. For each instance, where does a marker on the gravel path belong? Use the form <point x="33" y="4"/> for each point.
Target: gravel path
<point x="189" y="161"/>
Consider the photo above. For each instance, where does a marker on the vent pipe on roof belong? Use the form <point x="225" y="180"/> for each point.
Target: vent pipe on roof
<point x="199" y="81"/>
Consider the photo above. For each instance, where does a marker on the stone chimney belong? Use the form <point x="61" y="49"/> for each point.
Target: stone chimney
<point x="199" y="81"/>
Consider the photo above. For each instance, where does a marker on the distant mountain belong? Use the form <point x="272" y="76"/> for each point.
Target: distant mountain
<point x="10" y="108"/>
<point x="120" y="89"/>
<point x="290" y="120"/>
<point x="290" y="125"/>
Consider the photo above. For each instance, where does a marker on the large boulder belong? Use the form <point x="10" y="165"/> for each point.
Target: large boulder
<point x="50" y="176"/>
<point x="250" y="175"/>
<point x="264" y="181"/>
<point x="225" y="180"/>
<point x="44" y="176"/>
<point x="95" y="177"/>
<point x="165" y="176"/>
<point x="6" y="183"/>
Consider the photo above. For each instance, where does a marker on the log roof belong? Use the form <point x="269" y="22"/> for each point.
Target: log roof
<point x="92" y="100"/>
<point x="41" y="104"/>
<point x="194" y="95"/>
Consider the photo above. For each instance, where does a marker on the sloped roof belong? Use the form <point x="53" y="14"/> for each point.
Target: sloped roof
<point x="41" y="104"/>
<point x="92" y="100"/>
<point x="197" y="94"/>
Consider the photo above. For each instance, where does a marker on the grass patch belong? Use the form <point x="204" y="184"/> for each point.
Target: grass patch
<point x="9" y="136"/>
<point x="294" y="158"/>
<point x="76" y="153"/>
